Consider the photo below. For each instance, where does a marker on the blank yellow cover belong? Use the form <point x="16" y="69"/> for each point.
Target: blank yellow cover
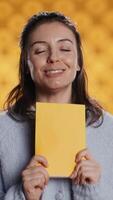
<point x="60" y="134"/>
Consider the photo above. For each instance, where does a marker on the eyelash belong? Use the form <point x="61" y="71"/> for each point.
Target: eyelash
<point x="65" y="50"/>
<point x="39" y="52"/>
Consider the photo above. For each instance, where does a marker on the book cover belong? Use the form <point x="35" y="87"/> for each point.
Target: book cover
<point x="60" y="134"/>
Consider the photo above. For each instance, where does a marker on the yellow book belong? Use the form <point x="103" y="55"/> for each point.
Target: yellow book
<point x="60" y="134"/>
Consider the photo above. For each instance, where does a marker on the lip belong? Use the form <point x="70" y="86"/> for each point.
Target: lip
<point x="54" y="69"/>
<point x="54" y="72"/>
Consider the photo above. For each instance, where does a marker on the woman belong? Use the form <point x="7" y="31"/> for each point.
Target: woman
<point x="51" y="70"/>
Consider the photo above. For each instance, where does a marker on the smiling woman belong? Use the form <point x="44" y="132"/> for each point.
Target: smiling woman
<point x="52" y="60"/>
<point x="52" y="70"/>
<point x="51" y="40"/>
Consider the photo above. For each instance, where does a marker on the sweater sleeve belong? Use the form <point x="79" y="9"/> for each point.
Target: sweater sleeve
<point x="13" y="193"/>
<point x="87" y="192"/>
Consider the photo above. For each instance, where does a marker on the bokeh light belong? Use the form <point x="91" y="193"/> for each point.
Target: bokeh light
<point x="94" y="20"/>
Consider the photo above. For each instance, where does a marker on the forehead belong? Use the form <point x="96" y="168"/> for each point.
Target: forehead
<point x="50" y="30"/>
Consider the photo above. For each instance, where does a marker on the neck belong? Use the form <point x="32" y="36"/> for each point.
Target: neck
<point x="62" y="96"/>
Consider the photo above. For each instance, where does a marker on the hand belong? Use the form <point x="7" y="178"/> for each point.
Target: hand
<point x="35" y="177"/>
<point x="87" y="170"/>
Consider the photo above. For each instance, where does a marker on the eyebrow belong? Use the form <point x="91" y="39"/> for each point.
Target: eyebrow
<point x="44" y="42"/>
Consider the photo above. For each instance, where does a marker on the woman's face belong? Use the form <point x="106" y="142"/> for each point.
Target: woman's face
<point x="52" y="56"/>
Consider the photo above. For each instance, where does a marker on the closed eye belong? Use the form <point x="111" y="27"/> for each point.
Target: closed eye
<point x="39" y="52"/>
<point x="65" y="50"/>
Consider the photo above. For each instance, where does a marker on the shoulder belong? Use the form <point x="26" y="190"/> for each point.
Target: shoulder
<point x="4" y="118"/>
<point x="103" y="125"/>
<point x="5" y="123"/>
<point x="108" y="116"/>
<point x="107" y="120"/>
<point x="9" y="125"/>
<point x="7" y="120"/>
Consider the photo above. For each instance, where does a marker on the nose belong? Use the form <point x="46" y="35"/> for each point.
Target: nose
<point x="53" y="56"/>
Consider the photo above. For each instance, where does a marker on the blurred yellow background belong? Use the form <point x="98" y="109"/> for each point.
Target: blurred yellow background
<point x="94" y="19"/>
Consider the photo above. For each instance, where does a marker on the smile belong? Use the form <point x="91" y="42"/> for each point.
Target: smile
<point x="54" y="71"/>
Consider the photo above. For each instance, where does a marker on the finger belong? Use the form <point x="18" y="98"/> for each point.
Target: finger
<point x="31" y="191"/>
<point x="38" y="159"/>
<point x="28" y="186"/>
<point x="34" y="171"/>
<point x="91" y="164"/>
<point x="34" y="176"/>
<point x="75" y="171"/>
<point x="79" y="179"/>
<point x="73" y="174"/>
<point x="83" y="164"/>
<point x="37" y="193"/>
<point x="86" y="163"/>
<point x="31" y="185"/>
<point x="88" y="176"/>
<point x="84" y="170"/>
<point x="83" y="154"/>
<point x="42" y="170"/>
<point x="82" y="180"/>
<point x="38" y="183"/>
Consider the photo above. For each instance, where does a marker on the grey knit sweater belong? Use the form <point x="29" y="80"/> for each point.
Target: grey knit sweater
<point x="16" y="149"/>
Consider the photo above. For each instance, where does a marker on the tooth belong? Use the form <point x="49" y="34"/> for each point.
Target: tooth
<point x="52" y="71"/>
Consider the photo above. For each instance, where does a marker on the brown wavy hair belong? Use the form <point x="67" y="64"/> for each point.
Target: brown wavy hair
<point x="23" y="96"/>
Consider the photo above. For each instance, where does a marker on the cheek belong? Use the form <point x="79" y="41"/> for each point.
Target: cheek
<point x="73" y="67"/>
<point x="72" y="63"/>
<point x="35" y="69"/>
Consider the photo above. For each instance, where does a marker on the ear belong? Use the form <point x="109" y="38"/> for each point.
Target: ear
<point x="29" y="63"/>
<point x="78" y="68"/>
<point x="31" y="68"/>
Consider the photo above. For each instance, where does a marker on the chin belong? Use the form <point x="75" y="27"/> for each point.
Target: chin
<point x="57" y="88"/>
<point x="54" y="90"/>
